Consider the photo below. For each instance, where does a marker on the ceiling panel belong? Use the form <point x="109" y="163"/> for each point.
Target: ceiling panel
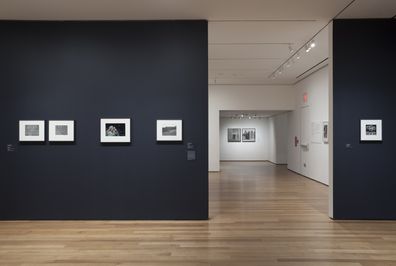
<point x="248" y="51"/>
<point x="251" y="64"/>
<point x="267" y="32"/>
<point x="169" y="9"/>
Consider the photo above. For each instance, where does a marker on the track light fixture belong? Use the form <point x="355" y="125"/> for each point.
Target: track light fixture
<point x="307" y="47"/>
<point x="291" y="50"/>
<point x="280" y="70"/>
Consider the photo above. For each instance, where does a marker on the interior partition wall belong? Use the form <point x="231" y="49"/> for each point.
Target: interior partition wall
<point x="85" y="71"/>
<point x="364" y="81"/>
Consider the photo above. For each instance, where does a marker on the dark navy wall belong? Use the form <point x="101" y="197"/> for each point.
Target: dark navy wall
<point x="364" y="88"/>
<point x="85" y="71"/>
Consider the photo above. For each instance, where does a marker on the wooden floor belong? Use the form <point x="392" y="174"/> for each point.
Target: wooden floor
<point x="261" y="214"/>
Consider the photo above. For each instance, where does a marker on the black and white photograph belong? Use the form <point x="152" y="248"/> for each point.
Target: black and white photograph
<point x="325" y="132"/>
<point x="248" y="134"/>
<point x="115" y="130"/>
<point x="234" y="135"/>
<point x="371" y="130"/>
<point x="31" y="130"/>
<point x="61" y="130"/>
<point x="169" y="130"/>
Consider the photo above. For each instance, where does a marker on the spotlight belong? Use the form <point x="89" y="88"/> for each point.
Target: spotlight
<point x="307" y="48"/>
<point x="273" y="76"/>
<point x="280" y="70"/>
<point x="313" y="44"/>
<point x="298" y="56"/>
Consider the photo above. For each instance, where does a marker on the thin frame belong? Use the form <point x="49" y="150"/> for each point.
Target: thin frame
<point x="248" y="129"/>
<point x="230" y="132"/>
<point x="22" y="131"/>
<point x="326" y="132"/>
<point x="363" y="132"/>
<point x="53" y="137"/>
<point x="115" y="139"/>
<point x="179" y="130"/>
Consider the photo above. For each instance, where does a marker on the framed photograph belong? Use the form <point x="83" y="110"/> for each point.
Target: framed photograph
<point x="248" y="134"/>
<point x="326" y="132"/>
<point x="115" y="130"/>
<point x="169" y="130"/>
<point x="60" y="131"/>
<point x="234" y="135"/>
<point x="31" y="130"/>
<point x="370" y="130"/>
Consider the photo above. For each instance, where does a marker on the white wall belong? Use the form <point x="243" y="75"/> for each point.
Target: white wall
<point x="313" y="162"/>
<point x="278" y="134"/>
<point x="240" y="151"/>
<point x="231" y="97"/>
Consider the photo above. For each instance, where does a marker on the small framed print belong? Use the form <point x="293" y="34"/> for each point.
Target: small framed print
<point x="61" y="130"/>
<point x="371" y="130"/>
<point x="234" y="134"/>
<point x="326" y="132"/>
<point x="32" y="130"/>
<point x="115" y="130"/>
<point x="248" y="135"/>
<point x="169" y="130"/>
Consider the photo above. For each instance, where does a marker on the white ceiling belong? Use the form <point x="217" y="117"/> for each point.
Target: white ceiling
<point x="248" y="39"/>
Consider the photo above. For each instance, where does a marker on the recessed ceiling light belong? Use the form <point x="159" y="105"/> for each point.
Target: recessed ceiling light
<point x="313" y="44"/>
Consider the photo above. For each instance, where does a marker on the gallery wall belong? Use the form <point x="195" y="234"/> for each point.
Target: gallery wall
<point x="85" y="71"/>
<point x="364" y="88"/>
<point x="313" y="161"/>
<point x="278" y="138"/>
<point x="240" y="97"/>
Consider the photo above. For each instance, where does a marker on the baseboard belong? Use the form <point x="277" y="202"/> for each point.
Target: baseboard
<point x="307" y="177"/>
<point x="230" y="161"/>
<point x="277" y="163"/>
<point x="262" y="161"/>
